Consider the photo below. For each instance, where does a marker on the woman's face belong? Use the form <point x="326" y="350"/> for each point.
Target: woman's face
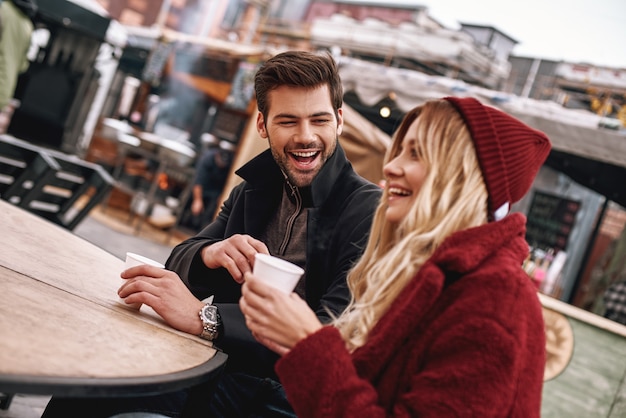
<point x="404" y="175"/>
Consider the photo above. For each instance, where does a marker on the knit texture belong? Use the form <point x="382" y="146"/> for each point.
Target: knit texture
<point x="510" y="152"/>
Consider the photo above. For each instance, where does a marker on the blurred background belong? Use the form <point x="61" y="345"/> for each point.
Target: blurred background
<point x="146" y="88"/>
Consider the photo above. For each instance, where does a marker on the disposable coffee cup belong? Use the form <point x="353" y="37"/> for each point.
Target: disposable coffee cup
<point x="277" y="272"/>
<point x="133" y="260"/>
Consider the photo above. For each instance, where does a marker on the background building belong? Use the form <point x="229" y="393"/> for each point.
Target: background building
<point x="600" y="90"/>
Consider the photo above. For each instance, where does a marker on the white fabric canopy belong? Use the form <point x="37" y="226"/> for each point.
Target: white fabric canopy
<point x="572" y="131"/>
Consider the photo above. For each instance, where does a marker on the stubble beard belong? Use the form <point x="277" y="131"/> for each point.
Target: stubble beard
<point x="296" y="177"/>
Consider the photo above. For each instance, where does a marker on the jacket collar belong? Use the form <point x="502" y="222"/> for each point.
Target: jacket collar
<point x="465" y="250"/>
<point x="459" y="254"/>
<point x="321" y="186"/>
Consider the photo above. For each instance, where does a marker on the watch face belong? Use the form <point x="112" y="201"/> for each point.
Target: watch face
<point x="209" y="313"/>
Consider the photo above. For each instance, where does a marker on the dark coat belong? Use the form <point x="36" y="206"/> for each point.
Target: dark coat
<point x="338" y="224"/>
<point x="464" y="339"/>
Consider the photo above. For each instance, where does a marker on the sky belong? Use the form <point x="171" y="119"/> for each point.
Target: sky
<point x="579" y="31"/>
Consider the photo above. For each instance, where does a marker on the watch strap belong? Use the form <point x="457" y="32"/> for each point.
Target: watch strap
<point x="210" y="330"/>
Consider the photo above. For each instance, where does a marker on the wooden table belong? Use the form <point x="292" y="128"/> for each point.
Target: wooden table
<point x="64" y="331"/>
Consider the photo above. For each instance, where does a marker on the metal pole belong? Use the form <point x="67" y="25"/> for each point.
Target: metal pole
<point x="588" y="251"/>
<point x="530" y="79"/>
<point x="162" y="17"/>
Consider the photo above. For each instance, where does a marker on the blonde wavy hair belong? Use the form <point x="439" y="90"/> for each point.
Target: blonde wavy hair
<point x="453" y="197"/>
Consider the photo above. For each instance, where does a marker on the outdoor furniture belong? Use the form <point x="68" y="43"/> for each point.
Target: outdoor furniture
<point x="166" y="180"/>
<point x="5" y="400"/>
<point x="59" y="187"/>
<point x="66" y="195"/>
<point x="21" y="164"/>
<point x="65" y="332"/>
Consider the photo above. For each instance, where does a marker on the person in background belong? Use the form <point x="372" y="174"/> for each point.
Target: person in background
<point x="16" y="29"/>
<point x="300" y="200"/>
<point x="443" y="320"/>
<point x="212" y="171"/>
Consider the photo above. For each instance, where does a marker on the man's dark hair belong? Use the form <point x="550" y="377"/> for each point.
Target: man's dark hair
<point x="298" y="69"/>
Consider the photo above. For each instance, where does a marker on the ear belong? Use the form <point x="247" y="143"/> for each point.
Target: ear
<point x="260" y="125"/>
<point x="339" y="121"/>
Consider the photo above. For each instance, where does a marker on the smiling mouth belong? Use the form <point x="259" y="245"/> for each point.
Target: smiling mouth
<point x="396" y="191"/>
<point x="304" y="158"/>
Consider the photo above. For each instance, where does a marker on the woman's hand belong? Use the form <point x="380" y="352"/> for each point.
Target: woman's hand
<point x="277" y="320"/>
<point x="165" y="292"/>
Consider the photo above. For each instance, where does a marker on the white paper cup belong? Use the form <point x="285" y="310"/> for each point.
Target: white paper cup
<point x="133" y="260"/>
<point x="277" y="272"/>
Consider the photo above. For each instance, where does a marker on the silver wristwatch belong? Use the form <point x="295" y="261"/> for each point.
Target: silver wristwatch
<point x="210" y="318"/>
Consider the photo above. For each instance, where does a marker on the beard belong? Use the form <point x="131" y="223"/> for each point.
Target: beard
<point x="297" y="176"/>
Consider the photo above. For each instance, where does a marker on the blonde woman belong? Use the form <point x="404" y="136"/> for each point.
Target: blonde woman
<point x="443" y="320"/>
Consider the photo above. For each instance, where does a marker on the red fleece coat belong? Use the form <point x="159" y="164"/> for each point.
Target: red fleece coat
<point x="464" y="339"/>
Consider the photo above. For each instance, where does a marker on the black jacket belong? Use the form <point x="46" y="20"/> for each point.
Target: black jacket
<point x="337" y="227"/>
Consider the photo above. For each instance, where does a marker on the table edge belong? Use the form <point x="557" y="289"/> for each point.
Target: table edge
<point x="106" y="387"/>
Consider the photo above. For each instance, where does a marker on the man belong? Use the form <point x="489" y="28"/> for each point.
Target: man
<point x="212" y="171"/>
<point x="301" y="201"/>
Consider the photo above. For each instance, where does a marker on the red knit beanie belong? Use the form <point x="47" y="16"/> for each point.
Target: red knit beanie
<point x="510" y="152"/>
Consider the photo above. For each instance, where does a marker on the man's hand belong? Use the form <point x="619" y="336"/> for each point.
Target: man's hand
<point x="165" y="292"/>
<point x="235" y="253"/>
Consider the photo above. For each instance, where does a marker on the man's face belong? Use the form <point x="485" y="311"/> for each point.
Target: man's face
<point x="302" y="130"/>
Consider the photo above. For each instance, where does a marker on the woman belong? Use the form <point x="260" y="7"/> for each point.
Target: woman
<point x="443" y="321"/>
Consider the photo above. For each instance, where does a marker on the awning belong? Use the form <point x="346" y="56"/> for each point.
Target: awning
<point x="593" y="157"/>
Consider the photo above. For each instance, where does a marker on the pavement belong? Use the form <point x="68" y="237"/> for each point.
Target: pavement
<point x="116" y="232"/>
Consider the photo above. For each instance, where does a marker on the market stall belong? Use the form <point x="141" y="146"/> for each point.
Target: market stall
<point x="584" y="172"/>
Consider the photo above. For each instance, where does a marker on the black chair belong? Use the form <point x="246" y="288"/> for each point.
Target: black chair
<point x="5" y="400"/>
<point x="67" y="194"/>
<point x="21" y="164"/>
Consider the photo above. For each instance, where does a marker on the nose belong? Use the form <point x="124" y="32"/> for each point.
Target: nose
<point x="305" y="134"/>
<point x="392" y="168"/>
